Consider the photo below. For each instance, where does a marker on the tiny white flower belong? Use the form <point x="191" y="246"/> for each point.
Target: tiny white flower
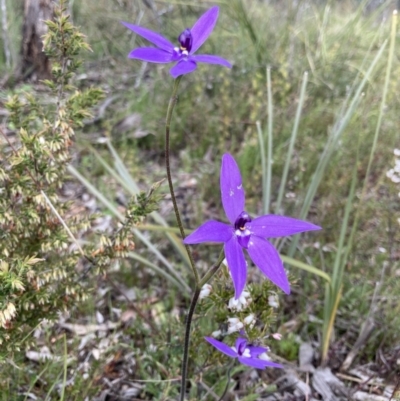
<point x="396" y="152"/>
<point x="216" y="333"/>
<point x="234" y="325"/>
<point x="241" y="303"/>
<point x="152" y="348"/>
<point x="390" y="173"/>
<point x="273" y="301"/>
<point x="250" y="320"/>
<point x="205" y="291"/>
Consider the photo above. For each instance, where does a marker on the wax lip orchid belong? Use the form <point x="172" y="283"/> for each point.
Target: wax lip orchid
<point x="243" y="232"/>
<point x="190" y="40"/>
<point x="247" y="354"/>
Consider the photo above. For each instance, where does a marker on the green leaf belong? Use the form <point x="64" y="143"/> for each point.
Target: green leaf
<point x="306" y="267"/>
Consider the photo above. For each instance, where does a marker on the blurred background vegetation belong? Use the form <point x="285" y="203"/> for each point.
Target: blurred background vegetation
<point x="343" y="121"/>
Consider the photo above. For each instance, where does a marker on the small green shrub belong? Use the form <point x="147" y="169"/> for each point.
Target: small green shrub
<point x="39" y="256"/>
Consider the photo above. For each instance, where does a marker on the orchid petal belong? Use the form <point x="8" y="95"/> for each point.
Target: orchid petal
<point x="239" y="343"/>
<point x="237" y="265"/>
<point x="203" y="27"/>
<point x="272" y="226"/>
<point x="267" y="259"/>
<point x="255" y="351"/>
<point x="183" y="67"/>
<point x="151" y="54"/>
<point x="253" y="362"/>
<point x="210" y="231"/>
<point x="220" y="346"/>
<point x="258" y="363"/>
<point x="210" y="59"/>
<point x="232" y="192"/>
<point x="151" y="36"/>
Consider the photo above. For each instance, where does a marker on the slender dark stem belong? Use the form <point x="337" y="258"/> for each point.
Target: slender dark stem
<point x="171" y="106"/>
<point x="185" y="359"/>
<point x="189" y="318"/>
<point x="228" y="381"/>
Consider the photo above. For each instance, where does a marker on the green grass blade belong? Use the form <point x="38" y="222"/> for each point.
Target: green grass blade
<point x="263" y="162"/>
<point x="117" y="214"/>
<point x="337" y="131"/>
<point x="334" y="295"/>
<point x="377" y="129"/>
<point x="133" y="188"/>
<point x="306" y="267"/>
<point x="292" y="142"/>
<point x="65" y="370"/>
<point x="267" y="199"/>
<point x="161" y="272"/>
<point x="110" y="170"/>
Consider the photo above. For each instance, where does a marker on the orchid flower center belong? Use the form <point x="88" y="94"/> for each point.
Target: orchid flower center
<point x="241" y="231"/>
<point x="186" y="40"/>
<point x="243" y="351"/>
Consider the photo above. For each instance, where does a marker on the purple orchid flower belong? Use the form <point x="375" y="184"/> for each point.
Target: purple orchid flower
<point x="247" y="233"/>
<point x="247" y="354"/>
<point x="190" y="41"/>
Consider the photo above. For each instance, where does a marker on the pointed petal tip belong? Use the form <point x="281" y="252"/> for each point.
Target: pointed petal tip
<point x="284" y="284"/>
<point x="211" y="59"/>
<point x="273" y="226"/>
<point x="203" y="27"/>
<point x="273" y="365"/>
<point x="227" y="156"/>
<point x="232" y="192"/>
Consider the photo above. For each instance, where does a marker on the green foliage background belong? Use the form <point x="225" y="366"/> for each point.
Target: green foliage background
<point x="217" y="112"/>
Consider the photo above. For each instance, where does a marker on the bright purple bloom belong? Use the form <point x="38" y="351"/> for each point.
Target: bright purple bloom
<point x="247" y="233"/>
<point x="190" y="41"/>
<point x="246" y="354"/>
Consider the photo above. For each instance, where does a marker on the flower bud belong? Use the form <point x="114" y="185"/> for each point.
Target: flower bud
<point x="277" y="336"/>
